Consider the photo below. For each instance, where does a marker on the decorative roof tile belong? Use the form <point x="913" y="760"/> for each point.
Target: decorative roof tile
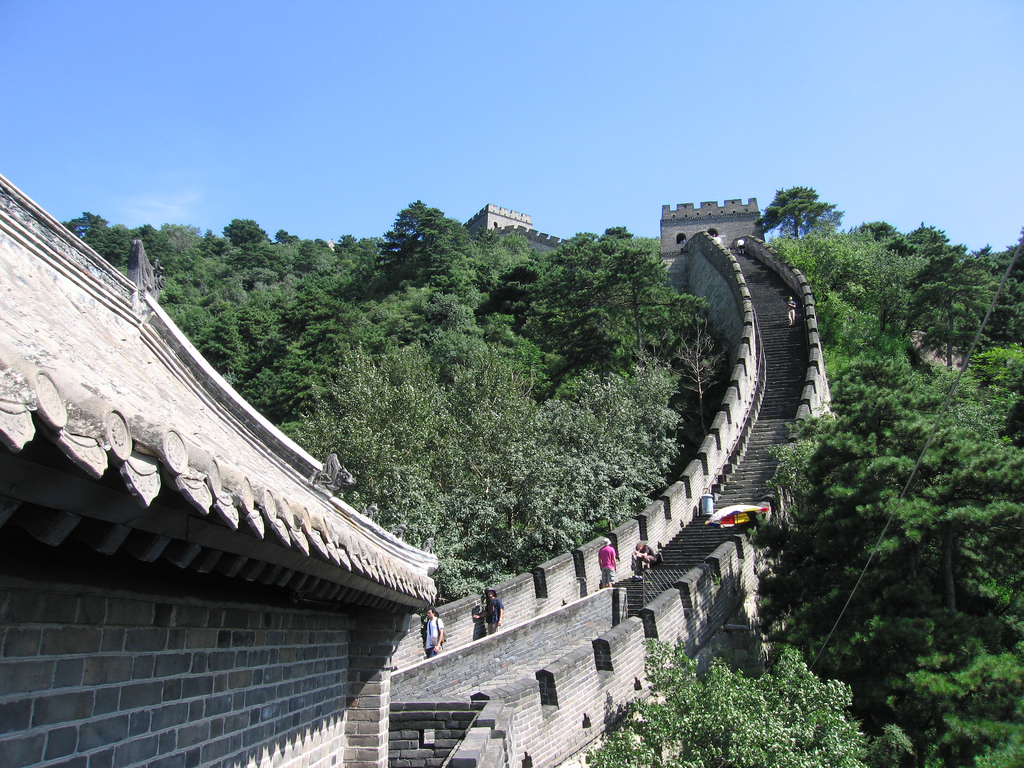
<point x="91" y="364"/>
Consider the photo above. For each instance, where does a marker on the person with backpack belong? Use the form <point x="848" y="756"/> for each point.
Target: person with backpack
<point x="435" y="633"/>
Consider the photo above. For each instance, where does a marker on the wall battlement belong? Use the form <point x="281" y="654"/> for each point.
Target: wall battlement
<point x="730" y="221"/>
<point x="710" y="208"/>
<point x="494" y="217"/>
<point x="548" y="242"/>
<point x="505" y="221"/>
<point x="510" y="214"/>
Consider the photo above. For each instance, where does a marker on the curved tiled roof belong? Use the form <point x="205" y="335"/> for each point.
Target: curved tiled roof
<point x="156" y="454"/>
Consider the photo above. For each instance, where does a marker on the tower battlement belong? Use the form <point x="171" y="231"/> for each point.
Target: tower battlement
<point x="729" y="221"/>
<point x="510" y="214"/>
<point x="493" y="217"/>
<point x="505" y="221"/>
<point x="710" y="208"/>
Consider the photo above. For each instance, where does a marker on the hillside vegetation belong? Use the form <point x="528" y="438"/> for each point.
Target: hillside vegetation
<point x="897" y="569"/>
<point x="495" y="403"/>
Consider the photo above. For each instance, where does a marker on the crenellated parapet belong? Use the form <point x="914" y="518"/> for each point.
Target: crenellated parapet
<point x="493" y="217"/>
<point x="539" y="240"/>
<point x="712" y="208"/>
<point x="729" y="221"/>
<point x="503" y="221"/>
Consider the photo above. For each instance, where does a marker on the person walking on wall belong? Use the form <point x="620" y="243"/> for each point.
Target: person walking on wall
<point x="608" y="559"/>
<point x="791" y="309"/>
<point x="494" y="611"/>
<point x="435" y="633"/>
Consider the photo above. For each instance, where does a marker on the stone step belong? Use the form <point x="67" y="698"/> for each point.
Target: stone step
<point x="786" y="362"/>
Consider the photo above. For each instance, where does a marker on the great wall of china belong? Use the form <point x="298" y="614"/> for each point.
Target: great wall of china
<point x="570" y="656"/>
<point x="151" y="522"/>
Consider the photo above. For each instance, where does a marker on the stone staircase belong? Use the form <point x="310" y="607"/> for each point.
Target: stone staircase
<point x="785" y="354"/>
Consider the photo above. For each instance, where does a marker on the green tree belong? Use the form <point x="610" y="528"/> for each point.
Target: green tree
<point x="786" y="718"/>
<point x="604" y="302"/>
<point x="942" y="593"/>
<point x="797" y="210"/>
<point x="245" y="232"/>
<point x="181" y="237"/>
<point x="699" y="363"/>
<point x="864" y="285"/>
<point x="954" y="291"/>
<point x="460" y="452"/>
<point x="112" y="243"/>
<point x="424" y="247"/>
<point x="252" y="256"/>
<point x="86" y="224"/>
<point x="1006" y="325"/>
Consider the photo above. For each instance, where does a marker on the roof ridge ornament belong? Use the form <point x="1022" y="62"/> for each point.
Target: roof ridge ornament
<point x="148" y="278"/>
<point x="333" y="477"/>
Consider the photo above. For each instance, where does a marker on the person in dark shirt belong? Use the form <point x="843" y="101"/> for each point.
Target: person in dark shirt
<point x="494" y="612"/>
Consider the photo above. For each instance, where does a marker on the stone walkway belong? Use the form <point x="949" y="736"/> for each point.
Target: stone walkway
<point x="785" y="351"/>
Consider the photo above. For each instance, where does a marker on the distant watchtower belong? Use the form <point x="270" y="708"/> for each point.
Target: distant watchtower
<point x="493" y="217"/>
<point x="729" y="222"/>
<point x="505" y="222"/>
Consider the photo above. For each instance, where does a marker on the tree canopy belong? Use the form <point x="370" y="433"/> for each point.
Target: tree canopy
<point x="786" y="718"/>
<point x="894" y="567"/>
<point x="797" y="210"/>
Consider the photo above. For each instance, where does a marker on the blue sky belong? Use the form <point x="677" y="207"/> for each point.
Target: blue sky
<point x="327" y="118"/>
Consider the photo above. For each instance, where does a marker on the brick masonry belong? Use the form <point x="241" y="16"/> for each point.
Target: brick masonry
<point x="551" y="706"/>
<point x="426" y="734"/>
<point x="734" y="219"/>
<point x="90" y="677"/>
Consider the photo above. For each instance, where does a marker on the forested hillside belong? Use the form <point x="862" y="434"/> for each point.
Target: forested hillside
<point x="895" y="571"/>
<point x="498" y="404"/>
<point x="898" y="568"/>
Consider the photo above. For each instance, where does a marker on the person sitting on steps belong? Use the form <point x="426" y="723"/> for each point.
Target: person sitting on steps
<point x="643" y="558"/>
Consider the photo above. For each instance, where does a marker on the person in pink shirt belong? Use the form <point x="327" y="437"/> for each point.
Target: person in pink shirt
<point x="608" y="559"/>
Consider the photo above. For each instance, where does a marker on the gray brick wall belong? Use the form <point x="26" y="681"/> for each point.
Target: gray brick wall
<point x="732" y="220"/>
<point x="552" y="707"/>
<point x="465" y="670"/>
<point x="816" y="396"/>
<point x="95" y="678"/>
<point x="425" y="734"/>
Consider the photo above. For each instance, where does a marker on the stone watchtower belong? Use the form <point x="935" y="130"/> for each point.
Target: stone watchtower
<point x="506" y="222"/>
<point x="493" y="217"/>
<point x="729" y="222"/>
